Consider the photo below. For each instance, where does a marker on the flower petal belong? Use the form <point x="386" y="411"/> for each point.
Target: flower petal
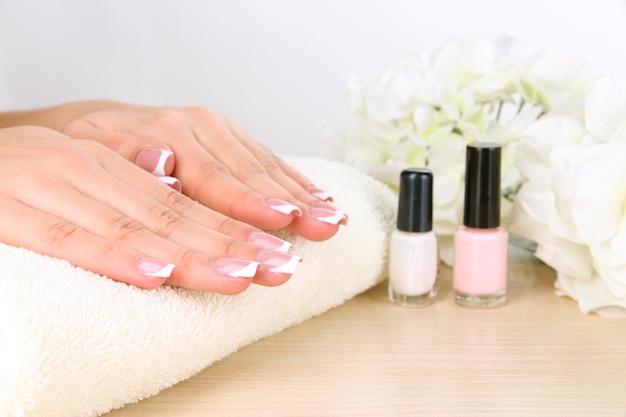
<point x="606" y="109"/>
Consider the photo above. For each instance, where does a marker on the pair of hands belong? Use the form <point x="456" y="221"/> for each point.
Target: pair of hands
<point x="84" y="201"/>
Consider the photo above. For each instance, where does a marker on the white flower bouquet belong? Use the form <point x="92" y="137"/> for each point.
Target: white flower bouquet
<point x="563" y="135"/>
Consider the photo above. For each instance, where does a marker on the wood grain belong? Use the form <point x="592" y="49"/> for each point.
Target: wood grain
<point x="535" y="356"/>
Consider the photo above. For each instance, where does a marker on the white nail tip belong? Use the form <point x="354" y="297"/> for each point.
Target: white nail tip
<point x="269" y="241"/>
<point x="159" y="170"/>
<point x="288" y="267"/>
<point x="154" y="268"/>
<point x="172" y="182"/>
<point x="166" y="272"/>
<point x="286" y="208"/>
<point x="322" y="195"/>
<point x="168" y="180"/>
<point x="284" y="248"/>
<point x="246" y="272"/>
<point x="333" y="219"/>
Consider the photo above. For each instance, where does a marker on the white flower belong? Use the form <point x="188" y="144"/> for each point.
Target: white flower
<point x="605" y="109"/>
<point x="563" y="138"/>
<point x="573" y="201"/>
<point x="424" y="112"/>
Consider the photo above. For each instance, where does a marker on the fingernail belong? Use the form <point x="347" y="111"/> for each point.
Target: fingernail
<point x="236" y="268"/>
<point x="329" y="216"/>
<point x="154" y="160"/>
<point x="284" y="207"/>
<point x="267" y="241"/>
<point x="319" y="193"/>
<point x="329" y="206"/>
<point x="154" y="268"/>
<point x="278" y="262"/>
<point x="172" y="182"/>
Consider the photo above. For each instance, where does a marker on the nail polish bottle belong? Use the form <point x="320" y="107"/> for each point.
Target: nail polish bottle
<point x="413" y="250"/>
<point x="481" y="245"/>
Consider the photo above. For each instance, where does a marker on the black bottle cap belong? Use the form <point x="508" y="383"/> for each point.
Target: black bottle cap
<point x="415" y="202"/>
<point x="482" y="185"/>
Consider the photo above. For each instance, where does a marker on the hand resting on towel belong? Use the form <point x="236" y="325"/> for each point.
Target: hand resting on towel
<point x="213" y="160"/>
<point x="79" y="200"/>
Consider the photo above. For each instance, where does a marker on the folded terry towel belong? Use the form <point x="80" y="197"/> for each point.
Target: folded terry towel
<point x="73" y="343"/>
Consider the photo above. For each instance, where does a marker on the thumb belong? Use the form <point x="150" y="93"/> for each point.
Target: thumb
<point x="158" y="161"/>
<point x="149" y="154"/>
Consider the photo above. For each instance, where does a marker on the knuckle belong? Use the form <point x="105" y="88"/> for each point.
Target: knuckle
<point x="109" y="254"/>
<point x="226" y="225"/>
<point x="126" y="229"/>
<point x="268" y="162"/>
<point x="61" y="234"/>
<point x="178" y="202"/>
<point x="210" y="169"/>
<point x="185" y="259"/>
<point x="249" y="169"/>
<point x="166" y="221"/>
<point x="232" y="248"/>
<point x="207" y="171"/>
<point x="70" y="156"/>
<point x="168" y="120"/>
<point x="202" y="113"/>
<point x="97" y="148"/>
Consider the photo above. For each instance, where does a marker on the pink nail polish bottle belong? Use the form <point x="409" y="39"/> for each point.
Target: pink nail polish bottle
<point x="481" y="245"/>
<point x="413" y="250"/>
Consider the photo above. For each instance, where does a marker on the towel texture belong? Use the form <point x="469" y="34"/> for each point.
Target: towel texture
<point x="73" y="343"/>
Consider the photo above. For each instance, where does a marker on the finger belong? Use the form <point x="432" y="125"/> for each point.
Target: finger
<point x="179" y="203"/>
<point x="250" y="163"/>
<point x="236" y="201"/>
<point x="298" y="185"/>
<point x="170" y="215"/>
<point x="207" y="180"/>
<point x="74" y="222"/>
<point x="321" y="222"/>
<point x="27" y="227"/>
<point x="205" y="259"/>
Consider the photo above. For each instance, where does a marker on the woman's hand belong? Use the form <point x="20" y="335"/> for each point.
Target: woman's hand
<point x="216" y="162"/>
<point x="80" y="201"/>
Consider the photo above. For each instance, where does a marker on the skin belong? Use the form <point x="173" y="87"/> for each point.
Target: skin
<point x="81" y="201"/>
<point x="211" y="154"/>
<point x="114" y="212"/>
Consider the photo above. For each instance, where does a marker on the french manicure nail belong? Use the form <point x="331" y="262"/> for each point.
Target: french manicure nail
<point x="319" y="193"/>
<point x="153" y="160"/>
<point x="278" y="262"/>
<point x="328" y="216"/>
<point x="284" y="207"/>
<point x="236" y="268"/>
<point x="154" y="268"/>
<point x="172" y="182"/>
<point x="329" y="206"/>
<point x="267" y="241"/>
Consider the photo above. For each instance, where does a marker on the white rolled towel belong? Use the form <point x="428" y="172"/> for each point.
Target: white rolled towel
<point x="73" y="343"/>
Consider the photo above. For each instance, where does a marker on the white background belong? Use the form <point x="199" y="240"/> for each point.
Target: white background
<point x="276" y="66"/>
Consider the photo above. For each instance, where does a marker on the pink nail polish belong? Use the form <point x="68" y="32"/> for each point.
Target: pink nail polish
<point x="479" y="275"/>
<point x="154" y="268"/>
<point x="172" y="182"/>
<point x="319" y="193"/>
<point x="328" y="216"/>
<point x="284" y="207"/>
<point x="236" y="268"/>
<point x="267" y="241"/>
<point x="154" y="160"/>
<point x="278" y="262"/>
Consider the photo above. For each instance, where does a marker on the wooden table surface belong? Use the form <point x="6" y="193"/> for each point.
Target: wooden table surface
<point x="535" y="356"/>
